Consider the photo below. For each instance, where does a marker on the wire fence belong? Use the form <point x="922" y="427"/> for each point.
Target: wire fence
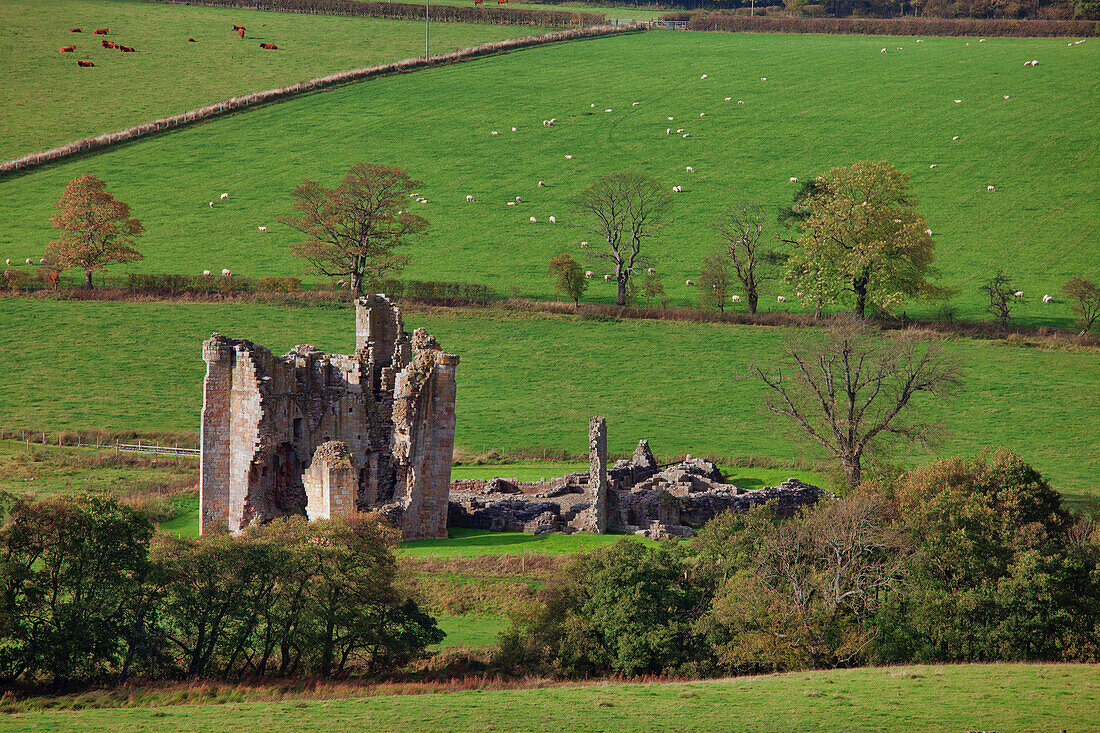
<point x="67" y="439"/>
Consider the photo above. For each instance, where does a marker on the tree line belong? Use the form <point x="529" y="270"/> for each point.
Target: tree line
<point x="962" y="561"/>
<point x="89" y="592"/>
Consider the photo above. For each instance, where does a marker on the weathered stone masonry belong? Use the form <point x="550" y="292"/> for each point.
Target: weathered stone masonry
<point x="327" y="434"/>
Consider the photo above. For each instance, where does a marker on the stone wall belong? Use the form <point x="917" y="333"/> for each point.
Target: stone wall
<point x="322" y="434"/>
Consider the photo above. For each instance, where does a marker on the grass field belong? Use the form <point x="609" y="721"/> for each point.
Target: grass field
<point x="609" y="10"/>
<point x="470" y="632"/>
<point x="533" y="380"/>
<point x="48" y="100"/>
<point x="828" y="100"/>
<point x="1003" y="697"/>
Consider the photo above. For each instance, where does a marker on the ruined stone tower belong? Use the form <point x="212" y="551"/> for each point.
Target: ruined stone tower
<point x="325" y="434"/>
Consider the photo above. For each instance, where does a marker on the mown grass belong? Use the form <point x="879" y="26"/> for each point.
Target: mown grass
<point x="470" y="632"/>
<point x="476" y="542"/>
<point x="827" y="101"/>
<point x="48" y="100"/>
<point x="533" y="381"/>
<point x="1001" y="697"/>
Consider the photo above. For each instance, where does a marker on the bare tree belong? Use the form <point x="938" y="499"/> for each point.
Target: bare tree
<point x="741" y="228"/>
<point x="850" y="387"/>
<point x="1002" y="296"/>
<point x="625" y="210"/>
<point x="353" y="229"/>
<point x="1085" y="296"/>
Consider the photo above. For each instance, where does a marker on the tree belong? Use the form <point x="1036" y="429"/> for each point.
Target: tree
<point x="96" y="228"/>
<point x="862" y="238"/>
<point x="742" y="228"/>
<point x="652" y="287"/>
<point x="1001" y="298"/>
<point x="1085" y="296"/>
<point x="625" y="210"/>
<point x="714" y="281"/>
<point x="354" y="229"/>
<point x="848" y="388"/>
<point x="569" y="279"/>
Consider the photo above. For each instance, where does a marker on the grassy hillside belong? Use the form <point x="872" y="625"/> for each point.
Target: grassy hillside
<point x="48" y="100"/>
<point x="532" y="380"/>
<point x="828" y="100"/>
<point x="1002" y="697"/>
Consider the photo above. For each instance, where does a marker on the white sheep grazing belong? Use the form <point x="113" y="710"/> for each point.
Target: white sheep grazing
<point x="262" y="229"/>
<point x="553" y="220"/>
<point x="652" y="271"/>
<point x="211" y="204"/>
<point x="668" y="130"/>
<point x="794" y="180"/>
<point x="955" y="138"/>
<point x="224" y="196"/>
<point x="514" y="130"/>
<point x="690" y="169"/>
<point x="607" y="278"/>
<point x="677" y="189"/>
<point x="763" y="78"/>
<point x="990" y="188"/>
<point x="702" y="114"/>
<point x="588" y="273"/>
<point x="494" y="132"/>
<point x="933" y="165"/>
<point x="883" y="51"/>
<point x="607" y="110"/>
<point x="900" y="48"/>
<point x="729" y="99"/>
<point x="511" y="203"/>
<point x="592" y="105"/>
<point x="735" y="298"/>
<point x="920" y="40"/>
<point x="226" y="273"/>
<point x="469" y="197"/>
<point x="780" y="299"/>
<point x="534" y="220"/>
<point x="928" y="232"/>
<point x="981" y="40"/>
<point x="634" y="104"/>
<point x="679" y="131"/>
<point x="1006" y="96"/>
<point x="1018" y="294"/>
<point x="740" y="101"/>
<point x="553" y="120"/>
<point x="689" y="283"/>
<point x="519" y="200"/>
<point x="206" y="273"/>
<point x="686" y="134"/>
<point x="542" y="184"/>
<point x="8" y="261"/>
<point x="958" y="101"/>
<point x="670" y="119"/>
<point x="30" y="261"/>
<point x="704" y="76"/>
<point x="569" y="157"/>
<point x="584" y="244"/>
<point x="1048" y="299"/>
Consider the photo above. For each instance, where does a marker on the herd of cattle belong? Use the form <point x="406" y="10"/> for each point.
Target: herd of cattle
<point x="130" y="49"/>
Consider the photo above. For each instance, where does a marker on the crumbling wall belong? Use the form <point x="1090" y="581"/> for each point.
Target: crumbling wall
<point x="266" y="419"/>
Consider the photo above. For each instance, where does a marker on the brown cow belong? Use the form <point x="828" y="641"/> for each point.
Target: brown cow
<point x="67" y="49"/>
<point x="127" y="49"/>
<point x="100" y="31"/>
<point x="191" y="40"/>
<point x="238" y="27"/>
<point x="240" y="32"/>
<point x="76" y="30"/>
<point x="84" y="63"/>
<point x="269" y="46"/>
<point x="108" y="44"/>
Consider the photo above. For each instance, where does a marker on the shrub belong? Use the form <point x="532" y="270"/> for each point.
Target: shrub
<point x="279" y="284"/>
<point x="712" y="21"/>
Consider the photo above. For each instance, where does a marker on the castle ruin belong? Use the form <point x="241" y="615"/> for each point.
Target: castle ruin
<point x="317" y="434"/>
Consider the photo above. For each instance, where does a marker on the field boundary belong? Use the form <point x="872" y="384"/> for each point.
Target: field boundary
<point x="409" y="11"/>
<point x="931" y="27"/>
<point x="235" y="104"/>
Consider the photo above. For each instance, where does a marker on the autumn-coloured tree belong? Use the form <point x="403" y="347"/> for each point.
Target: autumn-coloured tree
<point x="96" y="228"/>
<point x="625" y="210"/>
<point x="862" y="238"/>
<point x="1085" y="296"/>
<point x="353" y="230"/>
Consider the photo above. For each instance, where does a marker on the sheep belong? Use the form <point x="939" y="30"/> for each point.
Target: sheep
<point x="494" y="132"/>
<point x="1018" y="294"/>
<point x="900" y="48"/>
<point x="553" y="220"/>
<point x="883" y="51"/>
<point x="588" y="273"/>
<point x="262" y="229"/>
<point x="469" y="197"/>
<point x="677" y="189"/>
<point x="690" y="169"/>
<point x="958" y="101"/>
<point x="511" y="203"/>
<point x="735" y="298"/>
<point x="1048" y="299"/>
<point x="514" y="130"/>
<point x="211" y="204"/>
<point x="30" y="261"/>
<point x="534" y="220"/>
<point x="686" y="134"/>
<point x="1006" y="96"/>
<point x="794" y="180"/>
<point x="740" y="101"/>
<point x="981" y="40"/>
<point x="519" y="200"/>
<point x="592" y="105"/>
<point x="224" y="196"/>
<point x="206" y="273"/>
<point x="607" y="278"/>
<point x="652" y="271"/>
<point x="226" y="273"/>
<point x="780" y="299"/>
<point x="569" y="157"/>
<point x="955" y="138"/>
<point x="920" y="40"/>
<point x="990" y="188"/>
<point x="702" y="114"/>
<point x="729" y="99"/>
<point x="542" y="184"/>
<point x="679" y="131"/>
<point x="928" y="232"/>
<point x="635" y="104"/>
<point x="670" y="119"/>
<point x="607" y="110"/>
<point x="689" y="283"/>
<point x="584" y="244"/>
<point x="704" y="76"/>
<point x="668" y="130"/>
<point x="763" y="78"/>
<point x="933" y="165"/>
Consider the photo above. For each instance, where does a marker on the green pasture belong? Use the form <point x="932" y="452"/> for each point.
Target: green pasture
<point x="470" y="632"/>
<point x="827" y="101"/>
<point x="477" y="542"/>
<point x="1010" y="698"/>
<point x="533" y="381"/>
<point x="48" y="100"/>
<point x="609" y="10"/>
